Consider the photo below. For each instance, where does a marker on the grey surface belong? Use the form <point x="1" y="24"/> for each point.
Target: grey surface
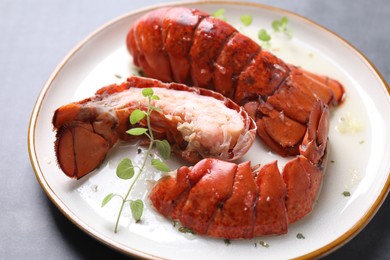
<point x="36" y="35"/>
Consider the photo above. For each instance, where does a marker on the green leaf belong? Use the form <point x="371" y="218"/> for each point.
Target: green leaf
<point x="107" y="199"/>
<point x="281" y="26"/>
<point x="164" y="149"/>
<point x="220" y="14"/>
<point x="276" y="25"/>
<point x="147" y="92"/>
<point x="125" y="169"/>
<point x="155" y="97"/>
<point x="137" y="131"/>
<point x="136" y="116"/>
<point x="263" y="35"/>
<point x="159" y="165"/>
<point x="137" y="208"/>
<point x="284" y="21"/>
<point x="246" y="20"/>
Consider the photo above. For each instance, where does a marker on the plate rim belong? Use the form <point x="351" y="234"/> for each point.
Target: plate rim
<point x="322" y="251"/>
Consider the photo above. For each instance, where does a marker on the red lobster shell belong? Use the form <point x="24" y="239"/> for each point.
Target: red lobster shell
<point x="87" y="130"/>
<point x="189" y="46"/>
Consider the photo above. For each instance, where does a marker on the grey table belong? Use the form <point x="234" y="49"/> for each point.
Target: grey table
<point x="35" y="36"/>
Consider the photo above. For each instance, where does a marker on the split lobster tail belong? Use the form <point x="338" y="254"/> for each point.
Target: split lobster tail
<point x="198" y="123"/>
<point x="222" y="199"/>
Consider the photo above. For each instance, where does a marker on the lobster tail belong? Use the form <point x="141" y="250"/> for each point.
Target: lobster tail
<point x="88" y="129"/>
<point x="207" y="52"/>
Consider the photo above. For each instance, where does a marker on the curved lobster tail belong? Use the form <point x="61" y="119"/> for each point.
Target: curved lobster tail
<point x="207" y="52"/>
<point x="88" y="129"/>
<point x="222" y="199"/>
<point x="226" y="200"/>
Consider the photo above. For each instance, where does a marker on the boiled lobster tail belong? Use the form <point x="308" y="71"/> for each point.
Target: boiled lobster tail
<point x="189" y="46"/>
<point x="226" y="200"/>
<point x="88" y="129"/>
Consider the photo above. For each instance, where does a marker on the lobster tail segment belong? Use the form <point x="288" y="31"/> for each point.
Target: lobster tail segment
<point x="79" y="149"/>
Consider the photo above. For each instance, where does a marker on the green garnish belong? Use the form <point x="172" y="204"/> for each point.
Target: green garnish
<point x="300" y="236"/>
<point x="281" y="26"/>
<point x="346" y="194"/>
<point x="263" y="244"/>
<point x="264" y="35"/>
<point x="186" y="230"/>
<point x="137" y="208"/>
<point x="108" y="198"/>
<point x="163" y="148"/>
<point x="160" y="165"/>
<point x="246" y="19"/>
<point x="126" y="170"/>
<point x="361" y="142"/>
<point x="220" y="14"/>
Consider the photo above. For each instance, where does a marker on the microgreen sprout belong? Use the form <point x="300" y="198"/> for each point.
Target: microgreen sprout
<point x="126" y="170"/>
<point x="246" y="19"/>
<point x="281" y="26"/>
<point x="278" y="26"/>
<point x="264" y="37"/>
<point x="220" y="14"/>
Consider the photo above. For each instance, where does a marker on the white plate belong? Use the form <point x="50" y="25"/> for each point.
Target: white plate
<point x="359" y="161"/>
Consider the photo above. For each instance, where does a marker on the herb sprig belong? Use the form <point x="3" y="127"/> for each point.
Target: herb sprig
<point x="126" y="170"/>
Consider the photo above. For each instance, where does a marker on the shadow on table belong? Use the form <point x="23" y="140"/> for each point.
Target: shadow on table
<point x="86" y="246"/>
